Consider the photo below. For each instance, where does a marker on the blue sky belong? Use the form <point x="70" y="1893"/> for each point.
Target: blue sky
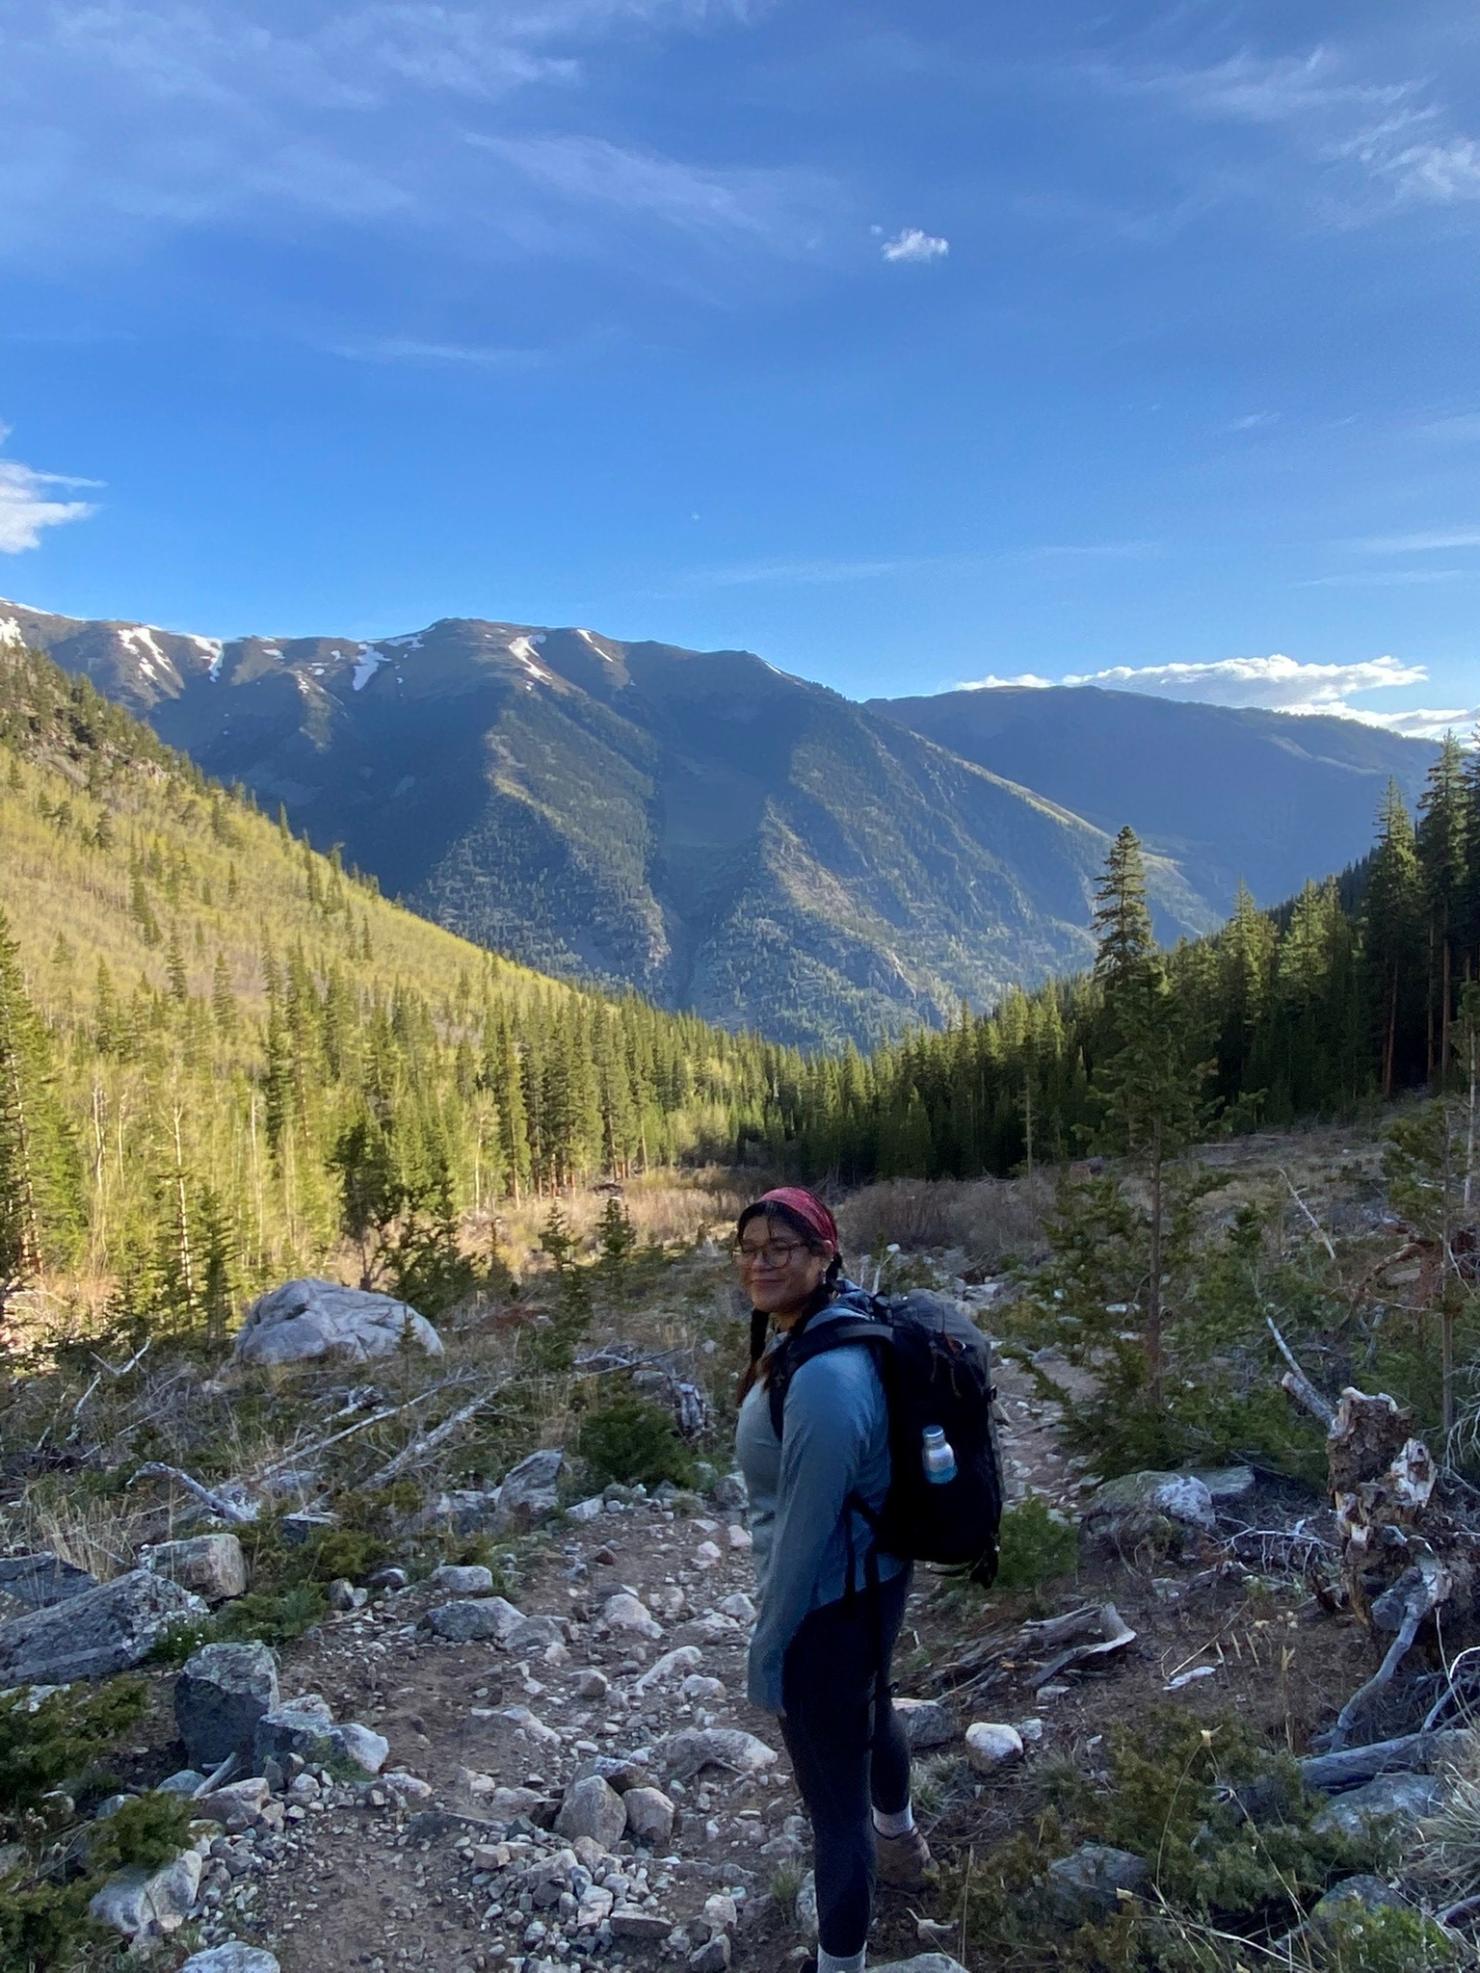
<point x="908" y="345"/>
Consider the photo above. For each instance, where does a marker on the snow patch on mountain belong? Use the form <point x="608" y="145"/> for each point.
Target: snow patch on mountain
<point x="605" y="656"/>
<point x="211" y="649"/>
<point x="152" y="661"/>
<point x="522" y="648"/>
<point x="11" y="632"/>
<point x="369" y="661"/>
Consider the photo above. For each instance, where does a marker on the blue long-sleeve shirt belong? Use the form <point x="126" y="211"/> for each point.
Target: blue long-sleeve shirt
<point x="835" y="1443"/>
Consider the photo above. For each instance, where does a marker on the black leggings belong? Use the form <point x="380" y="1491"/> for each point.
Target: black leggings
<point x="847" y="1751"/>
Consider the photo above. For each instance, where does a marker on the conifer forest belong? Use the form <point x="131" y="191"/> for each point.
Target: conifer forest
<point x="222" y="1055"/>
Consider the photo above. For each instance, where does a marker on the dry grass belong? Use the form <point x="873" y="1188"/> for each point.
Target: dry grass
<point x="991" y="1221"/>
<point x="99" y="1535"/>
<point x="669" y="1209"/>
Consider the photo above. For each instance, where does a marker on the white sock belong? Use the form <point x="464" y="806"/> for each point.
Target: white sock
<point x="895" y="1825"/>
<point x="829" y="1962"/>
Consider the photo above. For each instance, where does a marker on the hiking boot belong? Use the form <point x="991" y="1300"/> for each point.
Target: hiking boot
<point x="904" y="1862"/>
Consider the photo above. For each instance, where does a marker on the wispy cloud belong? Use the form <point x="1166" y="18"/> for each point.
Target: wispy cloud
<point x="1276" y="682"/>
<point x="28" y="502"/>
<point x="1425" y="541"/>
<point x="410" y="349"/>
<point x="911" y="245"/>
<point x="1370" y="144"/>
<point x="1386" y="578"/>
<point x="806" y="570"/>
<point x="129" y="118"/>
<point x="716" y="206"/>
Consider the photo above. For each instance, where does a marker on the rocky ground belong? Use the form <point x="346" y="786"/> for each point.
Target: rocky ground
<point x="523" y="1775"/>
<point x="480" y="1845"/>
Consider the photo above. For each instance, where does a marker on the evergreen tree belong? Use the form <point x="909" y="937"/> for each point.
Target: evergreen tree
<point x="1391" y="916"/>
<point x="1149" y="1085"/>
<point x="40" y="1179"/>
<point x="1443" y="860"/>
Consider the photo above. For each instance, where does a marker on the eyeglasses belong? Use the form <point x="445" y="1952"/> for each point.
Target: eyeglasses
<point x="775" y="1253"/>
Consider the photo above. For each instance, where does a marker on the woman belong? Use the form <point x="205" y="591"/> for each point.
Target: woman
<point x="830" y="1605"/>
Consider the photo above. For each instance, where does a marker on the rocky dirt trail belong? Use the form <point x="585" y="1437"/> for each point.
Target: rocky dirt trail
<point x="578" y="1775"/>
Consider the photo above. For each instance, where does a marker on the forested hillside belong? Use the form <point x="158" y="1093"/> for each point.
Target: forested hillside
<point x="1351" y="991"/>
<point x="225" y="1053"/>
<point x="694" y="826"/>
<point x="206" y="1029"/>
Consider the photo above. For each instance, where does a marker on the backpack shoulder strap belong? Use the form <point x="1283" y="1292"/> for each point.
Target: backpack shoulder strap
<point x="812" y="1343"/>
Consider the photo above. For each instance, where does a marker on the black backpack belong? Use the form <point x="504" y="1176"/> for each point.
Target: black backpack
<point x="936" y="1369"/>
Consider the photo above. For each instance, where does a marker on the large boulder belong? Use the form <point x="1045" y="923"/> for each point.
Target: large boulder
<point x="212" y="1565"/>
<point x="147" y="1904"/>
<point x="1090" y="1884"/>
<point x="101" y="1631"/>
<point x="1141" y="1504"/>
<point x="691" y="1749"/>
<point x="476" y="1620"/>
<point x="528" y="1494"/>
<point x="221" y="1693"/>
<point x="311" y="1318"/>
<point x="1391" y="1803"/>
<point x="592" y="1808"/>
<point x="305" y="1727"/>
<point x="42" y="1579"/>
<point x="924" y="1962"/>
<point x="231" y="1957"/>
<point x="926" y="1722"/>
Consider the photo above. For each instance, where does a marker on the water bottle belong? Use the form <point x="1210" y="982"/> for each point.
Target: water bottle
<point x="938" y="1458"/>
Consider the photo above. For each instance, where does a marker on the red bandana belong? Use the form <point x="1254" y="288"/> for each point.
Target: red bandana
<point x="802" y="1206"/>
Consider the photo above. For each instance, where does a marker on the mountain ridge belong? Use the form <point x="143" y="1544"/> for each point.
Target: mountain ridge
<point x="700" y="826"/>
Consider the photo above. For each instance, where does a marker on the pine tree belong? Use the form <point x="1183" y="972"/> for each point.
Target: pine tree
<point x="1443" y="859"/>
<point x="1391" y="916"/>
<point x="223" y="1000"/>
<point x="40" y="1179"/>
<point x="1148" y="1084"/>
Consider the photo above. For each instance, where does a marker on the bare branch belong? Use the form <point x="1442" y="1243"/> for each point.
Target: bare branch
<point x="241" y="1515"/>
<point x="419" y="1448"/>
<point x="1297" y="1383"/>
<point x="1320" y="1232"/>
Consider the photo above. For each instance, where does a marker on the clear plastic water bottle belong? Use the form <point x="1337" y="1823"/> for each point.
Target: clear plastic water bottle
<point x="936" y="1455"/>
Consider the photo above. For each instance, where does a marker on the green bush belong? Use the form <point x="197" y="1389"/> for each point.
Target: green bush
<point x="142" y="1834"/>
<point x="629" y="1439"/>
<point x="62" y="1745"/>
<point x="1219" y="1879"/>
<point x="60" y="1742"/>
<point x="1036" y="1546"/>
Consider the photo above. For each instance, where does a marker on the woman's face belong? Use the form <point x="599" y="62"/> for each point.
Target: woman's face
<point x="778" y="1270"/>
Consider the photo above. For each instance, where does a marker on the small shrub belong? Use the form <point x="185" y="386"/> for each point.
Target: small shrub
<point x="1036" y="1546"/>
<point x="59" y="1742"/>
<point x="273" y="1618"/>
<point x="629" y="1439"/>
<point x="143" y="1834"/>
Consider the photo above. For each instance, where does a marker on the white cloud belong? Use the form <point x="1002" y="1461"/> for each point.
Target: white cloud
<point x="1383" y="579"/>
<point x="1370" y="143"/>
<point x="28" y="502"/>
<point x="912" y="244"/>
<point x="1440" y="541"/>
<point x="715" y="205"/>
<point x="127" y="119"/>
<point x="1417" y="723"/>
<point x="411" y="349"/>
<point x="1278" y="683"/>
<point x="992" y="683"/>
